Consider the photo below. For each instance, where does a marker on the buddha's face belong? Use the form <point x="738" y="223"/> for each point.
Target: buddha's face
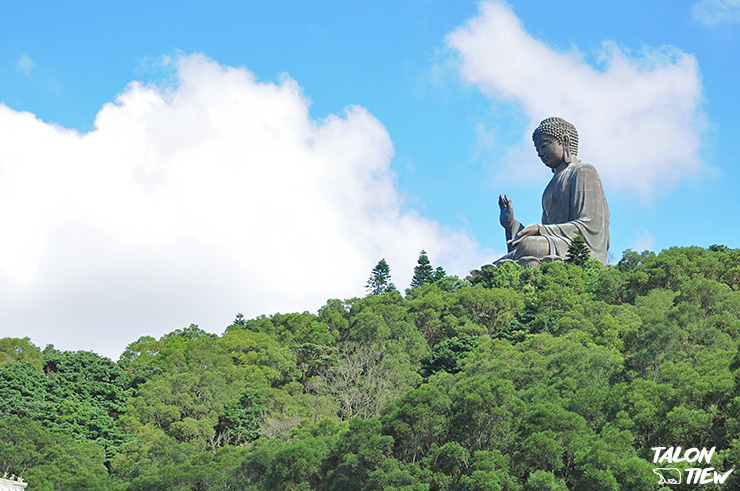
<point x="550" y="151"/>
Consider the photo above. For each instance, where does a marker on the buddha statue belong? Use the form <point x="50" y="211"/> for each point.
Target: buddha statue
<point x="573" y="203"/>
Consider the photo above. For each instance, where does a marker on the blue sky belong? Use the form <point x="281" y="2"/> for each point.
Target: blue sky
<point x="168" y="163"/>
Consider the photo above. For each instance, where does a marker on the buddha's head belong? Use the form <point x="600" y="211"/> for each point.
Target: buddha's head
<point x="556" y="141"/>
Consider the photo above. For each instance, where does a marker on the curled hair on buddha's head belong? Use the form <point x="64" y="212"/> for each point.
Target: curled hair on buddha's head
<point x="558" y="128"/>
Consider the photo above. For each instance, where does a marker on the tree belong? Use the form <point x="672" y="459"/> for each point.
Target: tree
<point x="423" y="272"/>
<point x="239" y="320"/>
<point x="362" y="381"/>
<point x="14" y="350"/>
<point x="79" y="393"/>
<point x="49" y="459"/>
<point x="240" y="421"/>
<point x="578" y="251"/>
<point x="448" y="354"/>
<point x="380" y="279"/>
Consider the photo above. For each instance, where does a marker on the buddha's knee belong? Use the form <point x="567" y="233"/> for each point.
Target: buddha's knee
<point x="536" y="246"/>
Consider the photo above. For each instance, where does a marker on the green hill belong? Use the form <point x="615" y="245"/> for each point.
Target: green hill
<point x="551" y="378"/>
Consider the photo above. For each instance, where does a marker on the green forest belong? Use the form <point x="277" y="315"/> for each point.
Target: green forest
<point x="553" y="378"/>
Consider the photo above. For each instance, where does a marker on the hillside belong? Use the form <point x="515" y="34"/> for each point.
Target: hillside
<point x="551" y="378"/>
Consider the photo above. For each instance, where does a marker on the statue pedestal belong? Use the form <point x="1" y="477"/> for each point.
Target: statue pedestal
<point x="524" y="261"/>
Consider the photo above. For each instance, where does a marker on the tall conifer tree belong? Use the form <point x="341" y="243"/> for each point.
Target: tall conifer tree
<point x="578" y="251"/>
<point x="423" y="272"/>
<point x="438" y="274"/>
<point x="380" y="279"/>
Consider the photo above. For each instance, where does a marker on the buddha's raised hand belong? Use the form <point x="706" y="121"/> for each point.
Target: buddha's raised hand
<point x="506" y="216"/>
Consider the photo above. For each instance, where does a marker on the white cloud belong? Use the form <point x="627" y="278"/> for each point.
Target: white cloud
<point x="26" y="64"/>
<point x="194" y="202"/>
<point x="637" y="115"/>
<point x="714" y="12"/>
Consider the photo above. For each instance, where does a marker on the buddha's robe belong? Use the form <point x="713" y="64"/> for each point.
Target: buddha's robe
<point x="574" y="203"/>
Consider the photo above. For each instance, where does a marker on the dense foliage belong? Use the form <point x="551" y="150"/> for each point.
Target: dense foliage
<point x="551" y="378"/>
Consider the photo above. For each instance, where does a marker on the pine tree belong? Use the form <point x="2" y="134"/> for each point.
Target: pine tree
<point x="438" y="274"/>
<point x="578" y="251"/>
<point x="380" y="279"/>
<point x="423" y="272"/>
